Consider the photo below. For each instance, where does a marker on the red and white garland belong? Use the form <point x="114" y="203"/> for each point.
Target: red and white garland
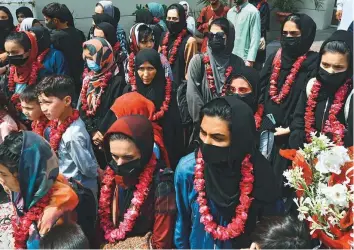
<point x="57" y="131"/>
<point x="258" y="116"/>
<point x="332" y="125"/>
<point x="39" y="126"/>
<point x="36" y="66"/>
<point x="210" y="76"/>
<point x="236" y="227"/>
<point x="174" y="50"/>
<point x="140" y="194"/>
<point x="273" y="90"/>
<point x="85" y="86"/>
<point x="168" y="88"/>
<point x="21" y="227"/>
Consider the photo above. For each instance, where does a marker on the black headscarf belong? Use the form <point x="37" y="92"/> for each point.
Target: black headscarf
<point x="42" y="37"/>
<point x="251" y="75"/>
<point x="27" y="12"/>
<point x="155" y="91"/>
<point x="222" y="182"/>
<point x="307" y="27"/>
<point x="144" y="16"/>
<point x="182" y="20"/>
<point x="104" y="18"/>
<point x="6" y="27"/>
<point x="347" y="38"/>
<point x="116" y="14"/>
<point x="109" y="32"/>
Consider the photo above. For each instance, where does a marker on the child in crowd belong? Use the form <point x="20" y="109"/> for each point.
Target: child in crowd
<point x="32" y="110"/>
<point x="66" y="133"/>
<point x="8" y="121"/>
<point x="65" y="236"/>
<point x="281" y="233"/>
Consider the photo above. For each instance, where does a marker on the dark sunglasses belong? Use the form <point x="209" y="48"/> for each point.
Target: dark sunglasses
<point x="216" y="35"/>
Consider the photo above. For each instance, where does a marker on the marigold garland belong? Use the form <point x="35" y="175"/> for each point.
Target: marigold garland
<point x="57" y="131"/>
<point x="21" y="227"/>
<point x="210" y="76"/>
<point x="273" y="90"/>
<point x="258" y="116"/>
<point x="113" y="234"/>
<point x="332" y="125"/>
<point x="175" y="47"/>
<point x="236" y="227"/>
<point x="259" y="5"/>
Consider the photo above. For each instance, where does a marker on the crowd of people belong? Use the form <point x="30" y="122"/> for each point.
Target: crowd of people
<point x="170" y="136"/>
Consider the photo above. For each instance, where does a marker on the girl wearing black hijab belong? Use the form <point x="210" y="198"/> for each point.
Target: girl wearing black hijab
<point x="284" y="76"/>
<point x="178" y="45"/>
<point x="21" y="14"/>
<point x="211" y="181"/>
<point x="332" y="84"/>
<point x="6" y="27"/>
<point x="150" y="81"/>
<point x="207" y="72"/>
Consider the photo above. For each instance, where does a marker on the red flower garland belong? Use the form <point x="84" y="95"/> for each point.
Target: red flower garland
<point x="168" y="89"/>
<point x="175" y="47"/>
<point x="21" y="229"/>
<point x="258" y="116"/>
<point x="210" y="76"/>
<point x="156" y="20"/>
<point x="259" y="5"/>
<point x="332" y="125"/>
<point x="36" y="66"/>
<point x="273" y="90"/>
<point x="56" y="132"/>
<point x="142" y="190"/>
<point x="39" y="126"/>
<point x="116" y="47"/>
<point x="85" y="86"/>
<point x="236" y="227"/>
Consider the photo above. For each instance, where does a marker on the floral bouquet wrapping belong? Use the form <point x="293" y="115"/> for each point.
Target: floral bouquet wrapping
<point x="322" y="174"/>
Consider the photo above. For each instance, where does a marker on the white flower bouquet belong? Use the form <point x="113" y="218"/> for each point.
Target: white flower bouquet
<point x="322" y="175"/>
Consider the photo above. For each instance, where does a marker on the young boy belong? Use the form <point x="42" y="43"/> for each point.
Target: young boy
<point x="66" y="133"/>
<point x="32" y="110"/>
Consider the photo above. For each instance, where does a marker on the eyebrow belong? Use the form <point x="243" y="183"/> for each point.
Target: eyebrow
<point x="216" y="134"/>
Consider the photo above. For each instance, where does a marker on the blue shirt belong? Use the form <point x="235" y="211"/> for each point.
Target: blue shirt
<point x="189" y="231"/>
<point x="76" y="157"/>
<point x="54" y="64"/>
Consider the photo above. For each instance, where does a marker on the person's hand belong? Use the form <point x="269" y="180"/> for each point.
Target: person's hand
<point x="282" y="131"/>
<point x="210" y="20"/>
<point x="97" y="138"/>
<point x="249" y="63"/>
<point x="3" y="70"/>
<point x="50" y="216"/>
<point x="262" y="44"/>
<point x="339" y="14"/>
<point x="3" y="57"/>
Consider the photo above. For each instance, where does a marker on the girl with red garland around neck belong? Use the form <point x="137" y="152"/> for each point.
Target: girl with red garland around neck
<point x="30" y="60"/>
<point x="101" y="86"/>
<point x="151" y="82"/>
<point x="178" y="45"/>
<point x="41" y="197"/>
<point x="208" y="72"/>
<point x="224" y="185"/>
<point x="325" y="106"/>
<point x="283" y="78"/>
<point x="137" y="205"/>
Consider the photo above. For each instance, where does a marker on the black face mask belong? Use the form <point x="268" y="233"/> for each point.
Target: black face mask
<point x="248" y="99"/>
<point x="17" y="60"/>
<point x="217" y="44"/>
<point x="174" y="27"/>
<point x="331" y="82"/>
<point x="291" y="45"/>
<point x="213" y="154"/>
<point x="5" y="24"/>
<point x="129" y="169"/>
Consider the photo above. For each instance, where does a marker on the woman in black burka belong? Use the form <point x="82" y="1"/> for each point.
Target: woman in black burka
<point x="278" y="117"/>
<point x="331" y="77"/>
<point x="155" y="91"/>
<point x="6" y="27"/>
